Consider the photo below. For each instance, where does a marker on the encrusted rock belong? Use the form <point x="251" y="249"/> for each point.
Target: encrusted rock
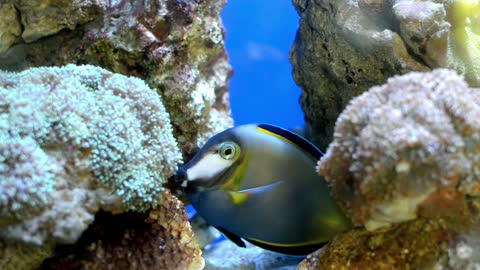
<point x="406" y="149"/>
<point x="420" y="244"/>
<point x="162" y="239"/>
<point x="16" y="256"/>
<point x="345" y="47"/>
<point x="46" y="17"/>
<point x="10" y="27"/>
<point x="177" y="47"/>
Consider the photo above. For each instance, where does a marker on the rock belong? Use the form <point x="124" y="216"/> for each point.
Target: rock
<point x="177" y="47"/>
<point x="10" y="27"/>
<point x="43" y="18"/>
<point x="15" y="255"/>
<point x="407" y="149"/>
<point x="345" y="47"/>
<point x="162" y="239"/>
<point x="420" y="244"/>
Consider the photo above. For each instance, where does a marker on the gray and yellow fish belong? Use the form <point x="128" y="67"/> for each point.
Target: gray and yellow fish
<point x="258" y="182"/>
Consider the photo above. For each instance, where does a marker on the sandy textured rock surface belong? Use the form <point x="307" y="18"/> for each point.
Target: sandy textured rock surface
<point x="420" y="244"/>
<point x="162" y="239"/>
<point x="345" y="47"/>
<point x="10" y="27"/>
<point x="15" y="256"/>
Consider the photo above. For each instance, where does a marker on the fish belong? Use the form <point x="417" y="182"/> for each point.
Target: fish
<point x="258" y="182"/>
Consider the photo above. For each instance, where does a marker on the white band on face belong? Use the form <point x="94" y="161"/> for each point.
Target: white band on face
<point x="208" y="167"/>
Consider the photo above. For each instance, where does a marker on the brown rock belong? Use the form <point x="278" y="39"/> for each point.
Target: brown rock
<point x="161" y="239"/>
<point x="344" y="47"/>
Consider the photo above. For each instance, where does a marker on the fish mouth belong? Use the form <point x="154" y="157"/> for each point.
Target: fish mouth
<point x="181" y="178"/>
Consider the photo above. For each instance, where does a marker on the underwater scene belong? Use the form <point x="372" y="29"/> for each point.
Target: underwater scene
<point x="206" y="134"/>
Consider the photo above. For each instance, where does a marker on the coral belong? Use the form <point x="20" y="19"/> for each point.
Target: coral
<point x="161" y="239"/>
<point x="419" y="244"/>
<point x="344" y="47"/>
<point x="76" y="139"/>
<point x="177" y="47"/>
<point x="405" y="149"/>
<point x="414" y="245"/>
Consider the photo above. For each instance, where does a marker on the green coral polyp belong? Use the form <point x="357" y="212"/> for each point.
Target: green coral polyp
<point x="26" y="187"/>
<point x="119" y="120"/>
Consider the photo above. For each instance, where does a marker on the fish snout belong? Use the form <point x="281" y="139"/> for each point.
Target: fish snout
<point x="181" y="178"/>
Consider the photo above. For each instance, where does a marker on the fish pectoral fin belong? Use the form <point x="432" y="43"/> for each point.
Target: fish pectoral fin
<point x="239" y="197"/>
<point x="234" y="238"/>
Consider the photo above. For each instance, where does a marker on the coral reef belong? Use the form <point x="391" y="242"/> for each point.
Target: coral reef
<point x="75" y="140"/>
<point x="404" y="164"/>
<point x="177" y="47"/>
<point x="345" y="47"/>
<point x="161" y="239"/>
<point x="79" y="139"/>
<point x="405" y="149"/>
<point x="420" y="244"/>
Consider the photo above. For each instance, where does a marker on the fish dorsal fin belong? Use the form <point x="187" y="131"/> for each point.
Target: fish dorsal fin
<point x="292" y="138"/>
<point x="234" y="238"/>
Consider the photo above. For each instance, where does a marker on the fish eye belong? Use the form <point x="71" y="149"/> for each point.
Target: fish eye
<point x="228" y="150"/>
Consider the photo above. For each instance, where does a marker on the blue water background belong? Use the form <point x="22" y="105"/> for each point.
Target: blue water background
<point x="260" y="34"/>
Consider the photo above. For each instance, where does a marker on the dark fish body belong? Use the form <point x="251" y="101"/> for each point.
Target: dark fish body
<point x="270" y="194"/>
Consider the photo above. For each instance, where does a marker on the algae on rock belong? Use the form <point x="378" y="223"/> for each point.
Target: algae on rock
<point x="419" y="244"/>
<point x="345" y="47"/>
<point x="161" y="239"/>
<point x="177" y="47"/>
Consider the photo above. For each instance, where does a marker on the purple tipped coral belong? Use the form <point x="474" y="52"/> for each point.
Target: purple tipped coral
<point x="411" y="142"/>
<point x="74" y="140"/>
